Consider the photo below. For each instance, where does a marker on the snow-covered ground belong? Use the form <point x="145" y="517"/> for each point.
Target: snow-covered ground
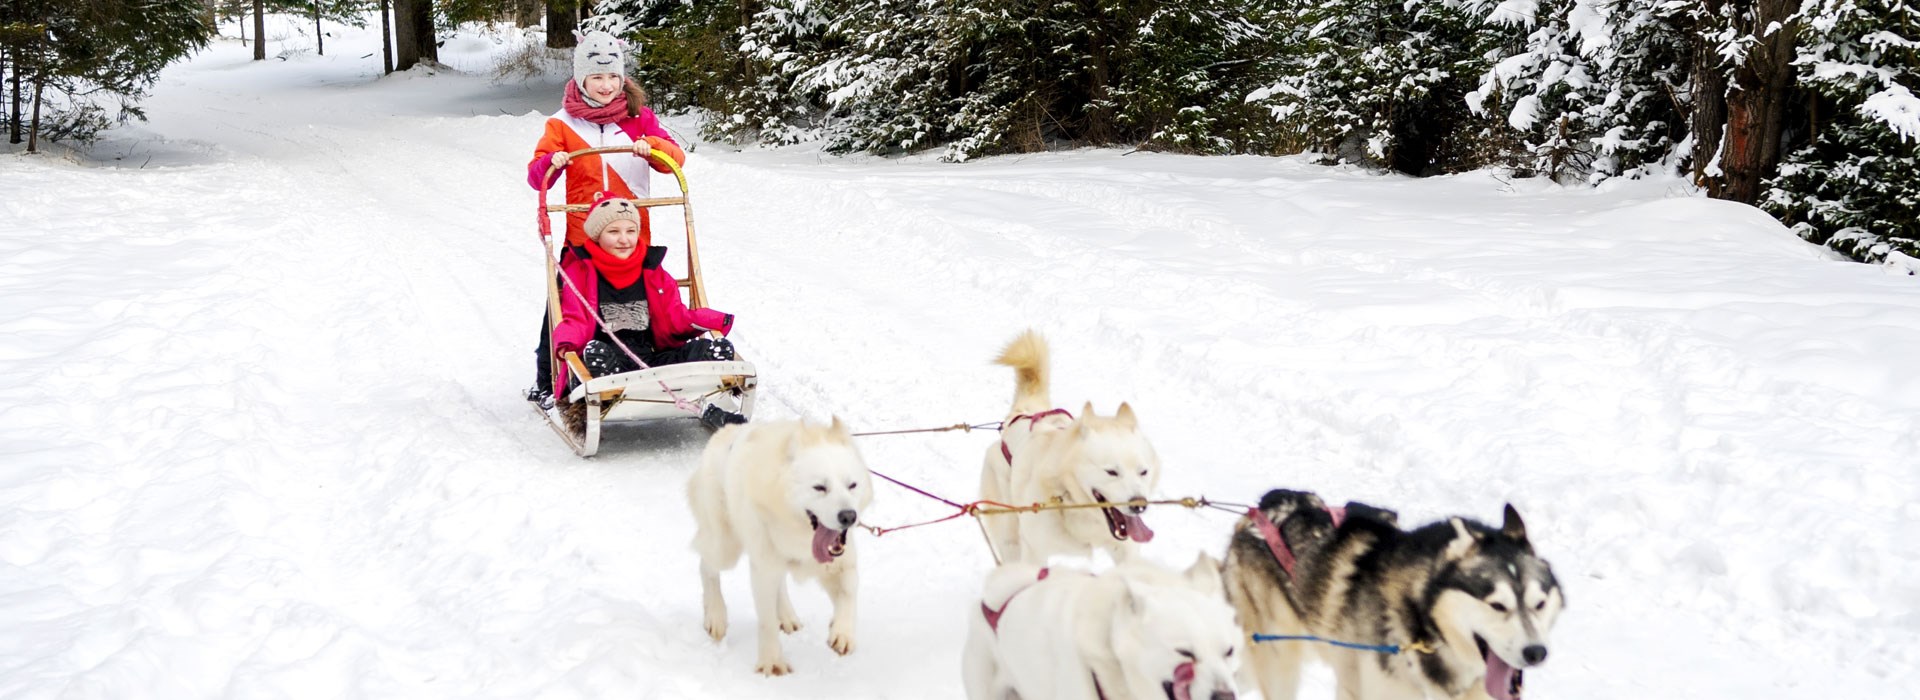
<point x="260" y="364"/>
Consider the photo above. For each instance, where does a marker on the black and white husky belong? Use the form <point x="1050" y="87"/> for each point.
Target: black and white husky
<point x="1468" y="604"/>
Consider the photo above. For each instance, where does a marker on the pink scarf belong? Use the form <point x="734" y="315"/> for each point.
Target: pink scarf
<point x="576" y="104"/>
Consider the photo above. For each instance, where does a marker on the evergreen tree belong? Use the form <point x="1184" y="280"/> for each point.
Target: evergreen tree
<point x="1595" y="88"/>
<point x="981" y="76"/>
<point x="1383" y="81"/>
<point x="1852" y="186"/>
<point x="89" y="62"/>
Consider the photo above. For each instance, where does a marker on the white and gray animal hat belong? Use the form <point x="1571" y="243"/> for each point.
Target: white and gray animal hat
<point x="598" y="52"/>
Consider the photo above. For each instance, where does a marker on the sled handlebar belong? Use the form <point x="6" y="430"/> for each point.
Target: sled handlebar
<point x="652" y="155"/>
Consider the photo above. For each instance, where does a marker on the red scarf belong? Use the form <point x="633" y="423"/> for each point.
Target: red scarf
<point x="621" y="272"/>
<point x="576" y="104"/>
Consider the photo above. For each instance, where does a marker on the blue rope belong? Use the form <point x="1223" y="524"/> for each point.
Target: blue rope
<point x="1381" y="648"/>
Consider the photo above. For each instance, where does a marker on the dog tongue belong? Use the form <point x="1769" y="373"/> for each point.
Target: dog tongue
<point x="1183" y="681"/>
<point x="1137" y="529"/>
<point x="1499" y="677"/>
<point x="824" y="539"/>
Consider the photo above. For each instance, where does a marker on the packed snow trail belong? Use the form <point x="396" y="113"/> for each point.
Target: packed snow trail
<point x="258" y="398"/>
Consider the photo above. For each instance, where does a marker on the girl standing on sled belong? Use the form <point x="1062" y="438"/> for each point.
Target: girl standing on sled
<point x="601" y="107"/>
<point x="619" y="273"/>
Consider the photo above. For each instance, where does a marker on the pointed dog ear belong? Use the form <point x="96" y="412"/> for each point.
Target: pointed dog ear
<point x="1125" y="416"/>
<point x="1463" y="539"/>
<point x="1512" y="527"/>
<point x="1086" y="411"/>
<point x="1204" y="575"/>
<point x="579" y="36"/>
<point x="1136" y="599"/>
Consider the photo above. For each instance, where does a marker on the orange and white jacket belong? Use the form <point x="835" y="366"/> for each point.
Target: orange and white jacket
<point x="588" y="176"/>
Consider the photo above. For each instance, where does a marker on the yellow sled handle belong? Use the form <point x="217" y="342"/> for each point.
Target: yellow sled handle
<point x="693" y="284"/>
<point x="652" y="155"/>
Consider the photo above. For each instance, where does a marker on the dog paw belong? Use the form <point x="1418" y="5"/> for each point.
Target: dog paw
<point x="789" y="626"/>
<point x="842" y="643"/>
<point x="717" y="629"/>
<point x="773" y="668"/>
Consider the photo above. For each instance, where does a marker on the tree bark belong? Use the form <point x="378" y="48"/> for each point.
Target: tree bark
<point x="33" y="134"/>
<point x="1707" y="118"/>
<point x="319" y="40"/>
<point x="1757" y="105"/>
<point x="6" y="69"/>
<point x="413" y="33"/>
<point x="561" y="22"/>
<point x="14" y="125"/>
<point x="259" y="31"/>
<point x="209" y="13"/>
<point x="386" y="41"/>
<point x="526" y="13"/>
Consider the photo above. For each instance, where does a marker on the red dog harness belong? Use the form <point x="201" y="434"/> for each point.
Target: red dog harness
<point x="1031" y="419"/>
<point x="993" y="616"/>
<point x="1277" y="544"/>
<point x="1182" y="674"/>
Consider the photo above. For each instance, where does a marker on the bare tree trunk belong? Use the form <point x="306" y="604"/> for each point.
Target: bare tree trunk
<point x="561" y="23"/>
<point x="413" y="33"/>
<point x="319" y="40"/>
<point x="15" y="123"/>
<point x="259" y="31"/>
<point x="386" y="41"/>
<point x="1757" y="104"/>
<point x="526" y="13"/>
<point x="1709" y="113"/>
<point x="5" y="67"/>
<point x="210" y="15"/>
<point x="33" y="134"/>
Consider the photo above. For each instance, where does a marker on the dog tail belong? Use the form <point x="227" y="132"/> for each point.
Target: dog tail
<point x="1027" y="355"/>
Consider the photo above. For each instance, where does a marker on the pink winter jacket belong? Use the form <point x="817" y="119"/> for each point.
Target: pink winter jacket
<point x="672" y="323"/>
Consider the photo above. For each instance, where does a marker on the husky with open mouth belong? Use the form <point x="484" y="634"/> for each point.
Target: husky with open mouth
<point x="1468" y="605"/>
<point x="1047" y="455"/>
<point x="1137" y="631"/>
<point x="787" y="494"/>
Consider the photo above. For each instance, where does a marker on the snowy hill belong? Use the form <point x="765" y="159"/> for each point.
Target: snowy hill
<point x="262" y="434"/>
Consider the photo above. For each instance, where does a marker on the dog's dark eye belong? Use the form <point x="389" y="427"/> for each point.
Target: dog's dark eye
<point x="1498" y="607"/>
<point x="1113" y="472"/>
<point x="821" y="488"/>
<point x="853" y="486"/>
<point x="1229" y="653"/>
<point x="1143" y="472"/>
<point x="1542" y="605"/>
<point x="1185" y="653"/>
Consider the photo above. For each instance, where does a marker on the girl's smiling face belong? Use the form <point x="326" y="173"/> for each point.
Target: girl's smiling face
<point x="620" y="238"/>
<point x="603" y="86"/>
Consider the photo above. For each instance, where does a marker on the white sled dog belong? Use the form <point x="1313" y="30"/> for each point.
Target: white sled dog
<point x="1046" y="455"/>
<point x="1467" y="604"/>
<point x="1135" y="632"/>
<point x="787" y="494"/>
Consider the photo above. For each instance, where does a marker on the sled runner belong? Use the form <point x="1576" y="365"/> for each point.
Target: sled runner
<point x="682" y="390"/>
